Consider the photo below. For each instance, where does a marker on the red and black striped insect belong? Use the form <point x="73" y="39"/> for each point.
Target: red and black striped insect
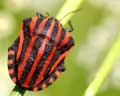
<point x="36" y="58"/>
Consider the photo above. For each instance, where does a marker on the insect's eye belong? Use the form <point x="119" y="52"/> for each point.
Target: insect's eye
<point x="26" y="26"/>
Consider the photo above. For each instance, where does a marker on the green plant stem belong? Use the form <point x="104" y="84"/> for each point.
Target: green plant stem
<point x="105" y="69"/>
<point x="69" y="6"/>
<point x="17" y="91"/>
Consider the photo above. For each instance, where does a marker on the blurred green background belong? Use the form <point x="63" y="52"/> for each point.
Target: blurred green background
<point x="95" y="29"/>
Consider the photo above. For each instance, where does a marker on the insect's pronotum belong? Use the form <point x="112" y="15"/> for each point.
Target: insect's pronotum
<point x="36" y="58"/>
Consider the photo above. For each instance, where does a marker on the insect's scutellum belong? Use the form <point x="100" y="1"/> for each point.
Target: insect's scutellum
<point x="36" y="58"/>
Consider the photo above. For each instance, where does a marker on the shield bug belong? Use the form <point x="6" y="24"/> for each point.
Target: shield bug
<point x="36" y="58"/>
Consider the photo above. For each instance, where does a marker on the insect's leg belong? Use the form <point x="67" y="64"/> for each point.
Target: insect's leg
<point x="70" y="29"/>
<point x="11" y="61"/>
<point x="61" y="67"/>
<point x="50" y="80"/>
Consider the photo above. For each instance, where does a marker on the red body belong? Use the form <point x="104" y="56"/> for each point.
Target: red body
<point x="36" y="58"/>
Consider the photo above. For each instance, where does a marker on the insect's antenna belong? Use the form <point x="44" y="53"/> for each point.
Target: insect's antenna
<point x="70" y="13"/>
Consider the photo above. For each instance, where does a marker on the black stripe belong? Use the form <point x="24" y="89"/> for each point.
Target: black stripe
<point x="48" y="49"/>
<point x="26" y="30"/>
<point x="10" y="57"/>
<point x="25" y="45"/>
<point x="12" y="75"/>
<point x="36" y="46"/>
<point x="62" y="62"/>
<point x="58" y="52"/>
<point x="37" y="25"/>
<point x="52" y="62"/>
<point x="30" y="61"/>
<point x="69" y="44"/>
<point x="39" y="87"/>
<point x="63" y="32"/>
<point x="14" y="48"/>
<point x="46" y="81"/>
<point x="14" y="45"/>
<point x="11" y="66"/>
<point x="27" y="37"/>
<point x="26" y="27"/>
<point x="54" y="33"/>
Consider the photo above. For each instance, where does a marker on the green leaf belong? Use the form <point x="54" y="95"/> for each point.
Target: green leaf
<point x="105" y="68"/>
